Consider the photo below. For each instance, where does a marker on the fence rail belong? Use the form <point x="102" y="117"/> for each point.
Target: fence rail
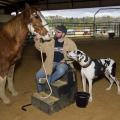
<point x="103" y="29"/>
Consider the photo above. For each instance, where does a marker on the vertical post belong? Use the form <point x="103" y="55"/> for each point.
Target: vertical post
<point x="94" y="20"/>
<point x="119" y="29"/>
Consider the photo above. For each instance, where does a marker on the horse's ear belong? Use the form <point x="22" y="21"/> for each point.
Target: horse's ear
<point x="27" y="11"/>
<point x="39" y="9"/>
<point x="27" y="6"/>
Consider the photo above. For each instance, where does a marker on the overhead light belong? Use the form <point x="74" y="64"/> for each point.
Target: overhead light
<point x="13" y="13"/>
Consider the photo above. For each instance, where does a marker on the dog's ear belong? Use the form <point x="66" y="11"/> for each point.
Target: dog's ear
<point x="81" y="52"/>
<point x="78" y="52"/>
<point x="86" y="58"/>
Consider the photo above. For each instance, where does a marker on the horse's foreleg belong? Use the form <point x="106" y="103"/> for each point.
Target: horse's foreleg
<point x="10" y="81"/>
<point x="2" y="90"/>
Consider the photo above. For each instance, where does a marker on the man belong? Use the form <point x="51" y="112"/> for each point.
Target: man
<point x="56" y="56"/>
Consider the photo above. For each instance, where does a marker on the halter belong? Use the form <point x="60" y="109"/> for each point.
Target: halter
<point x="30" y="26"/>
<point x="41" y="25"/>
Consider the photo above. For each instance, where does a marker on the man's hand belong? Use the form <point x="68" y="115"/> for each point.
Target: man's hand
<point x="62" y="61"/>
<point x="37" y="38"/>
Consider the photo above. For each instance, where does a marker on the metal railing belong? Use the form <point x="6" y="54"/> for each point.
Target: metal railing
<point x="116" y="29"/>
<point x="102" y="29"/>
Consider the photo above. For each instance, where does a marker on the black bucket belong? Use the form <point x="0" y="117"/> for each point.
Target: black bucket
<point x="82" y="99"/>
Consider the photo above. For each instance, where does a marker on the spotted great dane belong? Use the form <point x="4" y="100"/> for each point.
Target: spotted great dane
<point x="94" y="68"/>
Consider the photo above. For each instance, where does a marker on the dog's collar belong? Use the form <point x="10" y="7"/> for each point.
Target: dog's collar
<point x="85" y="66"/>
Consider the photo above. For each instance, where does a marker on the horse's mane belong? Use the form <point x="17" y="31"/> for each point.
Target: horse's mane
<point x="16" y="24"/>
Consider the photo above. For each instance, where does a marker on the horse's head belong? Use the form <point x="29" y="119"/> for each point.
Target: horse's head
<point x="37" y="23"/>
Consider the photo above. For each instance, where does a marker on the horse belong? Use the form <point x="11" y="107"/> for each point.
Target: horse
<point x="12" y="38"/>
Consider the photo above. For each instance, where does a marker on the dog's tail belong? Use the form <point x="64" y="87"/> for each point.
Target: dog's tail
<point x="113" y="72"/>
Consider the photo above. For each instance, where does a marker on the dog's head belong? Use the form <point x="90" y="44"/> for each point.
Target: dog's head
<point x="76" y="55"/>
<point x="80" y="57"/>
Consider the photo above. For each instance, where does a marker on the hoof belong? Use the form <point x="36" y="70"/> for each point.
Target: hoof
<point x="6" y="101"/>
<point x="15" y="93"/>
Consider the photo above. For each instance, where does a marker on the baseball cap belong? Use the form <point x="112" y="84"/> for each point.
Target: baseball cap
<point x="61" y="28"/>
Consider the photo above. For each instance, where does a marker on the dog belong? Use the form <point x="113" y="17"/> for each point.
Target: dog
<point x="94" y="68"/>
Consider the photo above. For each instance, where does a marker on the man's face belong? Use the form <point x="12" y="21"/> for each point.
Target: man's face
<point x="58" y="33"/>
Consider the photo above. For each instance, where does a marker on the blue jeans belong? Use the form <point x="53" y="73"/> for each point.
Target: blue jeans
<point x="59" y="70"/>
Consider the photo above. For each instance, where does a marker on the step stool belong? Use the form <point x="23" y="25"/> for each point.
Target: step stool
<point x="62" y="96"/>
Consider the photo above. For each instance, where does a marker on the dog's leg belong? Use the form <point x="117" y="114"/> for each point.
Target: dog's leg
<point x="83" y="81"/>
<point x="117" y="83"/>
<point x="110" y="80"/>
<point x="90" y="89"/>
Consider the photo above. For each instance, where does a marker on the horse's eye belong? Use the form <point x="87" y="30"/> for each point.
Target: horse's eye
<point x="35" y="25"/>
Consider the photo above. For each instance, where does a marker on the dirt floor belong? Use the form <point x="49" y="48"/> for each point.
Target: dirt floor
<point x="105" y="105"/>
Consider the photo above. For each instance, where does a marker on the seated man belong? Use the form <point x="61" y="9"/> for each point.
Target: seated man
<point x="56" y="56"/>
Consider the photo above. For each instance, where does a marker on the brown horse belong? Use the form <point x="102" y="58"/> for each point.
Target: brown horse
<point x="12" y="37"/>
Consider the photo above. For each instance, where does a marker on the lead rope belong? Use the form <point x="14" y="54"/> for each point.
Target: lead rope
<point x="45" y="97"/>
<point x="45" y="77"/>
<point x="30" y="28"/>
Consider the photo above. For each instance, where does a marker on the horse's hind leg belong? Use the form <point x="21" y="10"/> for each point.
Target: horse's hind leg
<point x="10" y="81"/>
<point x="2" y="90"/>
